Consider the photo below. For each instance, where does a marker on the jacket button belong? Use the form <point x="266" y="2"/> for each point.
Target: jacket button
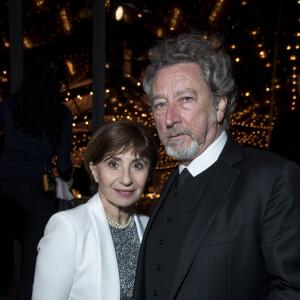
<point x="161" y="242"/>
<point x="155" y="293"/>
<point x="175" y="194"/>
<point x="158" y="267"/>
<point x="169" y="219"/>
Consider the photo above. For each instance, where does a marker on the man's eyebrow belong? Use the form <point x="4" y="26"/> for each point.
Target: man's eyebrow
<point x="156" y="97"/>
<point x="184" y="91"/>
<point x="178" y="93"/>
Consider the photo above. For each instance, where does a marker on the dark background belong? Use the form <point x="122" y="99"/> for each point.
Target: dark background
<point x="263" y="38"/>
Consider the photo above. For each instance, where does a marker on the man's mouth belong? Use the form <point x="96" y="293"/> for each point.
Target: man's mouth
<point x="177" y="137"/>
<point x="177" y="132"/>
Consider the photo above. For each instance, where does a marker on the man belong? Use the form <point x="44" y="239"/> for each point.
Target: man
<point x="231" y="229"/>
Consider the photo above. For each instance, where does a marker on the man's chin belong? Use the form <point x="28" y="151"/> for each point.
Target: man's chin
<point x="178" y="143"/>
<point x="179" y="154"/>
<point x="182" y="152"/>
<point x="176" y="147"/>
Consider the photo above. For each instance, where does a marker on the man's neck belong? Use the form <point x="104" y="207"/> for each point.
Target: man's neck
<point x="206" y="158"/>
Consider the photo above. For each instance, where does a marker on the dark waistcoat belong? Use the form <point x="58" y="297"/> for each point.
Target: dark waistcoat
<point x="168" y="232"/>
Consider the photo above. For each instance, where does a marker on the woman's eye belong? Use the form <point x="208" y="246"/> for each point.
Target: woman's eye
<point x="113" y="164"/>
<point x="138" y="166"/>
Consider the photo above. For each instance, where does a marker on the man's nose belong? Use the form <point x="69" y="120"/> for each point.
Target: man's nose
<point x="172" y="115"/>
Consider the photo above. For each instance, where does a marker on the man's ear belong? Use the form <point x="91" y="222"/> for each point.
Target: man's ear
<point x="221" y="108"/>
<point x="94" y="171"/>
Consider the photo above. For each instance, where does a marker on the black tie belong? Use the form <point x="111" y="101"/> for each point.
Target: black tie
<point x="183" y="177"/>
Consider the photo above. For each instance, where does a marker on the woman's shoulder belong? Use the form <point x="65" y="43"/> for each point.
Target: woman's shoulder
<point x="76" y="217"/>
<point x="81" y="214"/>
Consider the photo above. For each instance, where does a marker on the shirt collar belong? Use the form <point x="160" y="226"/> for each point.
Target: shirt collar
<point x="208" y="157"/>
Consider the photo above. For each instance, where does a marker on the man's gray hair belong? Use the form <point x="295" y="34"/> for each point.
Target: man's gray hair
<point x="208" y="53"/>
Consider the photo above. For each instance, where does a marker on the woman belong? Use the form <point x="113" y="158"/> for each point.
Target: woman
<point x="37" y="127"/>
<point x="91" y="252"/>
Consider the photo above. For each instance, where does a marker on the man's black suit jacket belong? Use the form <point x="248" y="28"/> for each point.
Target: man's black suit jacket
<point x="243" y="241"/>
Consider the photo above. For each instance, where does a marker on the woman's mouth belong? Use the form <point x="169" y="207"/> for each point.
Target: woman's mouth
<point x="125" y="193"/>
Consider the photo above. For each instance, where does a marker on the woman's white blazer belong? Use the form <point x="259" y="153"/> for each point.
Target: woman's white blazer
<point x="76" y="257"/>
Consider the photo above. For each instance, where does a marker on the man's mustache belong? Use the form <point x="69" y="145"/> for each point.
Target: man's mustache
<point x="178" y="131"/>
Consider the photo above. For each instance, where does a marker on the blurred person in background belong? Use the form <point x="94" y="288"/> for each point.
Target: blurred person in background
<point x="91" y="251"/>
<point x="37" y="127"/>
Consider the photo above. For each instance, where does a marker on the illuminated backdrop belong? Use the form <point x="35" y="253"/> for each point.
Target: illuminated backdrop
<point x="261" y="36"/>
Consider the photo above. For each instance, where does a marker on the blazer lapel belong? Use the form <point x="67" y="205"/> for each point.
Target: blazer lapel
<point x="214" y="195"/>
<point x="109" y="282"/>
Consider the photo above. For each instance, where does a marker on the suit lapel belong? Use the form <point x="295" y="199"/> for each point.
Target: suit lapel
<point x="212" y="199"/>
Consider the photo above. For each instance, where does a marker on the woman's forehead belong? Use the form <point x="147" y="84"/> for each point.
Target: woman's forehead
<point x="131" y="151"/>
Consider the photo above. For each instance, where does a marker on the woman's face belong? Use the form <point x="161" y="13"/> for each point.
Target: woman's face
<point x="121" y="180"/>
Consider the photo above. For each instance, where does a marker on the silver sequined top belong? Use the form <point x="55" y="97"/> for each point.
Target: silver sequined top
<point x="126" y="242"/>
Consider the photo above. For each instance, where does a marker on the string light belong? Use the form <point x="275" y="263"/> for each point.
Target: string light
<point x="119" y="13"/>
<point x="65" y="21"/>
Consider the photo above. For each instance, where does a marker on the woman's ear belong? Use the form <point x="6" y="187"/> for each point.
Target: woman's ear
<point x="93" y="171"/>
<point x="221" y="108"/>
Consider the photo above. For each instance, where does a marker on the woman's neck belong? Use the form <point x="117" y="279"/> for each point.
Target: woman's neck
<point x="120" y="216"/>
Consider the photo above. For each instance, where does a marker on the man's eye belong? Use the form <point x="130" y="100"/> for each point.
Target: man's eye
<point x="187" y="99"/>
<point x="159" y="105"/>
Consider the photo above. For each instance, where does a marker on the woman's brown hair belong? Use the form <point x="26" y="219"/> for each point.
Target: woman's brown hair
<point x="119" y="137"/>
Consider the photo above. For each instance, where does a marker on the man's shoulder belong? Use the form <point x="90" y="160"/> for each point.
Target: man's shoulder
<point x="262" y="154"/>
<point x="258" y="156"/>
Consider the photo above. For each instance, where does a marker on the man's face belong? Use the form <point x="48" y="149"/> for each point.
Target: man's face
<point x="186" y="121"/>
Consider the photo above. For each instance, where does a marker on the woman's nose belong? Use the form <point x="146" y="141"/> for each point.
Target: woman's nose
<point x="126" y="178"/>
